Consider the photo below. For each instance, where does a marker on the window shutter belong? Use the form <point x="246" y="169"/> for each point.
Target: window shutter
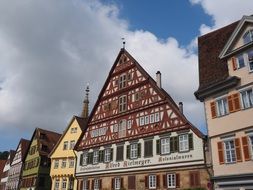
<point x="230" y="104"/>
<point x="220" y="152"/>
<point x="157" y="181"/>
<point x="146" y="182"/>
<point x="238" y="150"/>
<point x="190" y="138"/>
<point x="81" y="184"/>
<point x="139" y="150"/>
<point x="122" y="182"/>
<point x="192" y="184"/>
<point x="245" y="148"/>
<point x="236" y="100"/>
<point x="100" y="154"/>
<point x="113" y="187"/>
<point x="88" y="184"/>
<point x="172" y="146"/>
<point x="234" y="63"/>
<point x="111" y="157"/>
<point x="100" y="183"/>
<point x="81" y="160"/>
<point x="128" y="151"/>
<point x="165" y="181"/>
<point x="176" y="144"/>
<point x="92" y="184"/>
<point x="158" y="147"/>
<point x="177" y="180"/>
<point x="213" y="109"/>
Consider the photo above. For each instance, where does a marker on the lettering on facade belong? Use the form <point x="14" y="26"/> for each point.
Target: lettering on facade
<point x="90" y="168"/>
<point x="127" y="164"/>
<point x="176" y="157"/>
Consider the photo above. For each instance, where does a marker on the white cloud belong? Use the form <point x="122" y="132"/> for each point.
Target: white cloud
<point x="50" y="50"/>
<point x="223" y="12"/>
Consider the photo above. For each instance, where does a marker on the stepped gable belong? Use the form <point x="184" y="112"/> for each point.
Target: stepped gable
<point x="212" y="69"/>
<point x="127" y="78"/>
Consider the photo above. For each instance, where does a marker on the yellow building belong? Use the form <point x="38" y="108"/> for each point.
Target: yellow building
<point x="62" y="170"/>
<point x="63" y="157"/>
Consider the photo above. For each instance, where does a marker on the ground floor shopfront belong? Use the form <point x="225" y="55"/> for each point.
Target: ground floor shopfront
<point x="170" y="178"/>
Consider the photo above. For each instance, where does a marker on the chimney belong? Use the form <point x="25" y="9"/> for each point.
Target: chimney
<point x="85" y="112"/>
<point x="180" y="105"/>
<point x="158" y="79"/>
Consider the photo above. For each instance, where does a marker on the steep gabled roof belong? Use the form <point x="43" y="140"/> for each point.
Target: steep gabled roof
<point x="152" y="82"/>
<point x="226" y="50"/>
<point x="24" y="143"/>
<point x="212" y="69"/>
<point x="82" y="122"/>
<point x="2" y="164"/>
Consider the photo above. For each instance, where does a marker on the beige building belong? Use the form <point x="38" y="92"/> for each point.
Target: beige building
<point x="225" y="87"/>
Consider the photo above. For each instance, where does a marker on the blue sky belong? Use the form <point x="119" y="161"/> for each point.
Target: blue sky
<point x="49" y="51"/>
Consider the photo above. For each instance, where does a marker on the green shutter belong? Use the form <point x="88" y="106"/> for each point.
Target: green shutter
<point x="172" y="147"/>
<point x="100" y="156"/>
<point x="81" y="159"/>
<point x="190" y="138"/>
<point x="176" y="145"/>
<point x="139" y="150"/>
<point x="128" y="151"/>
<point x="158" y="147"/>
<point x="111" y="154"/>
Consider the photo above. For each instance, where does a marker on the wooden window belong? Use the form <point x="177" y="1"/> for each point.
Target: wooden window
<point x="108" y="154"/>
<point x="97" y="183"/>
<point x="250" y="59"/>
<point x="56" y="164"/>
<point x="158" y="147"/>
<point x="64" y="184"/>
<point x="230" y="154"/>
<point x="247" y="98"/>
<point x="85" y="184"/>
<point x="157" y="117"/>
<point x="117" y="183"/>
<point x="134" y="151"/>
<point x="63" y="163"/>
<point x="122" y="81"/>
<point x="146" y="120"/>
<point x="95" y="157"/>
<point x="56" y="184"/>
<point x="213" y="109"/>
<point x="234" y="102"/>
<point x="142" y="121"/>
<point x="220" y="152"/>
<point x="90" y="158"/>
<point x="65" y="145"/>
<point x="171" y="180"/>
<point x="222" y="106"/>
<point x="101" y="155"/>
<point x="122" y="103"/>
<point x="174" y="144"/>
<point x="129" y="124"/>
<point x="120" y="153"/>
<point x="131" y="183"/>
<point x="248" y="37"/>
<point x="246" y="147"/>
<point x="71" y="162"/>
<point x="238" y="150"/>
<point x="122" y="128"/>
<point x="72" y="144"/>
<point x="165" y="145"/>
<point x="183" y="142"/>
<point x="194" y="179"/>
<point x="152" y="118"/>
<point x="83" y="158"/>
<point x="148" y="148"/>
<point x="152" y="181"/>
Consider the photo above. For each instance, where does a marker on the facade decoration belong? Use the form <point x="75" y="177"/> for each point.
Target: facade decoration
<point x="137" y="138"/>
<point x="225" y="87"/>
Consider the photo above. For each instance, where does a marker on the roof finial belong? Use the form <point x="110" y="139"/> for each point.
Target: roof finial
<point x="85" y="111"/>
<point x="124" y="42"/>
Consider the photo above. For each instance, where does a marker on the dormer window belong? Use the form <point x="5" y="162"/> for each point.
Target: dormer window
<point x="248" y="37"/>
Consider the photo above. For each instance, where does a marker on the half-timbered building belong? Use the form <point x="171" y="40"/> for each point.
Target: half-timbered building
<point x="137" y="137"/>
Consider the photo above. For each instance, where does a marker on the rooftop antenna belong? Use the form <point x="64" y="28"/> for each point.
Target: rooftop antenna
<point x="124" y="42"/>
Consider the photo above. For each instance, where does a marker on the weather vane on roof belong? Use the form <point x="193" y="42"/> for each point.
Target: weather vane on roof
<point x="124" y="42"/>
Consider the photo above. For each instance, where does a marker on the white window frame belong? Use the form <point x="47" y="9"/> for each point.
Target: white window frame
<point x="250" y="33"/>
<point x="72" y="144"/>
<point x="117" y="183"/>
<point x="85" y="158"/>
<point x="165" y="145"/>
<point x="129" y="124"/>
<point x="249" y="100"/>
<point x="71" y="163"/>
<point x="133" y="151"/>
<point x="95" y="157"/>
<point x="142" y="120"/>
<point x="223" y="102"/>
<point x="115" y="127"/>
<point x="64" y="184"/>
<point x="63" y="163"/>
<point x="171" y="180"/>
<point x="230" y="152"/>
<point x="251" y="145"/>
<point x="122" y="81"/>
<point x="108" y="155"/>
<point x="122" y="103"/>
<point x="56" y="164"/>
<point x="183" y="142"/>
<point x="157" y="117"/>
<point x="249" y="62"/>
<point x="152" y="118"/>
<point x="146" y="119"/>
<point x="238" y="63"/>
<point x="85" y="184"/>
<point x="96" y="184"/>
<point x="122" y="128"/>
<point x="152" y="181"/>
<point x="65" y="145"/>
<point x="57" y="184"/>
